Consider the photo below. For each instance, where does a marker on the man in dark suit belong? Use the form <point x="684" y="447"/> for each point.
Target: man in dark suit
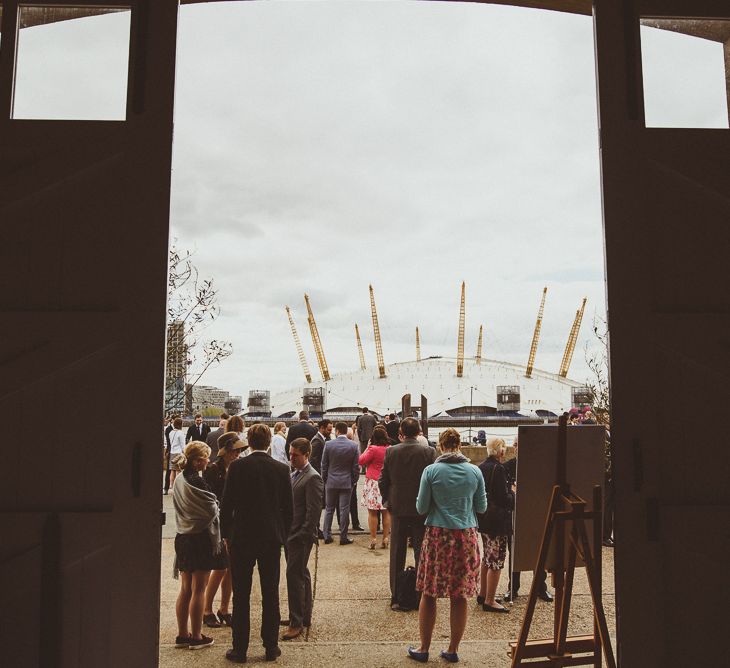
<point x="212" y="439"/>
<point x="197" y="431"/>
<point x="399" y="482"/>
<point x="365" y="425"/>
<point x="307" y="491"/>
<point x="256" y="517"/>
<point x="340" y="472"/>
<point x="393" y="427"/>
<point x="318" y="441"/>
<point x="302" y="429"/>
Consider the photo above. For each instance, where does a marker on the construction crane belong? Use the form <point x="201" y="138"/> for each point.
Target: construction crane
<point x="536" y="336"/>
<point x="478" y="358"/>
<point x="319" y="351"/>
<point x="572" y="340"/>
<point x="462" y="319"/>
<point x="418" y="346"/>
<point x="298" y="344"/>
<point x="376" y="333"/>
<point x="359" y="347"/>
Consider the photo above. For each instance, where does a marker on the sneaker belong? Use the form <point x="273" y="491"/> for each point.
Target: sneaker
<point x="182" y="642"/>
<point x="204" y="641"/>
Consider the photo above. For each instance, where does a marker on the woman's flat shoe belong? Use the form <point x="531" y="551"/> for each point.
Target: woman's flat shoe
<point x="384" y="545"/>
<point x="226" y="618"/>
<point x="451" y="657"/>
<point x="211" y="621"/>
<point x="372" y="544"/>
<point x="421" y="657"/>
<point x="491" y="608"/>
<point x="480" y="600"/>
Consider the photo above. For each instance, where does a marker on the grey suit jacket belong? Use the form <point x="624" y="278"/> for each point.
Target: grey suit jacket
<point x="340" y="469"/>
<point x="307" y="491"/>
<point x="401" y="475"/>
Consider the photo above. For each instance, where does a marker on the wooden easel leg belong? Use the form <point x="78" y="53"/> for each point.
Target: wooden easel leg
<point x="565" y="604"/>
<point x="598" y="612"/>
<point x="540" y="566"/>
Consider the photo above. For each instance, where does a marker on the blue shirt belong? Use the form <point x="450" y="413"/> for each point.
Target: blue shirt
<point x="451" y="494"/>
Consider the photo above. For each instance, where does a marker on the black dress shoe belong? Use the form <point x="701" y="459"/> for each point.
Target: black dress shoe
<point x="508" y="597"/>
<point x="608" y="542"/>
<point x="320" y="535"/>
<point x="272" y="653"/>
<point x="357" y="527"/>
<point x="545" y="596"/>
<point x="346" y="541"/>
<point x="329" y="540"/>
<point x="235" y="657"/>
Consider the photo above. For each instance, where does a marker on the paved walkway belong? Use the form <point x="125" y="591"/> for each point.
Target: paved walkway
<point x="352" y="621"/>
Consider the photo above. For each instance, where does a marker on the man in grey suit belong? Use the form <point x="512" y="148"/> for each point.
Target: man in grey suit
<point x="399" y="482"/>
<point x="307" y="489"/>
<point x="340" y="472"/>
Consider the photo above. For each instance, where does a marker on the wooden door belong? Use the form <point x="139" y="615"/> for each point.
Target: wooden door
<point x="84" y="209"/>
<point x="666" y="204"/>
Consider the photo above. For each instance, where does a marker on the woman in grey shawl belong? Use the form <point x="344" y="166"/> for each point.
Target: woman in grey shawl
<point x="198" y="539"/>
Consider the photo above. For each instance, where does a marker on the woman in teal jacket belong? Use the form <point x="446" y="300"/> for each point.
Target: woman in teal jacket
<point x="450" y="494"/>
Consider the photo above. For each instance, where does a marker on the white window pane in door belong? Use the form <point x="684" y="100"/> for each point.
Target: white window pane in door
<point x="684" y="79"/>
<point x="72" y="69"/>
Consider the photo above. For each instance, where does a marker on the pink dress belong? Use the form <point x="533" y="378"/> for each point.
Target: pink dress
<point x="373" y="458"/>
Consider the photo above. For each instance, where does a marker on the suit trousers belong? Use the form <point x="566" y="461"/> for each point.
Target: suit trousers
<point x="514" y="581"/>
<point x="401" y="528"/>
<point x="341" y="499"/>
<point x="354" y="503"/>
<point x="242" y="559"/>
<point x="299" y="583"/>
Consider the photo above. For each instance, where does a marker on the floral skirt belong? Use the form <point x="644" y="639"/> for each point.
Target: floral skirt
<point x="495" y="551"/>
<point x="449" y="563"/>
<point x="371" y="498"/>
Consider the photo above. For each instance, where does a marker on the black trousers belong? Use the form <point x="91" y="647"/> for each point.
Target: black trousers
<point x="299" y="583"/>
<point x="514" y="581"/>
<point x="243" y="558"/>
<point x="401" y="529"/>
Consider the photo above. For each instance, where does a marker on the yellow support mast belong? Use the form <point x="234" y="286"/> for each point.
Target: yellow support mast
<point x="462" y="322"/>
<point x="572" y="340"/>
<point x="536" y="336"/>
<point x="418" y="346"/>
<point x="376" y="332"/>
<point x="478" y="358"/>
<point x="317" y="342"/>
<point x="298" y="344"/>
<point x="359" y="348"/>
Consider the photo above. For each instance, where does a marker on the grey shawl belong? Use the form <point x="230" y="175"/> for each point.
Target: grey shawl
<point x="196" y="511"/>
<point x="452" y="458"/>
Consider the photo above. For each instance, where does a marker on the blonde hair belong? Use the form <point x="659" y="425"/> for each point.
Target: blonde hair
<point x="496" y="447"/>
<point x="449" y="440"/>
<point x="279" y="426"/>
<point x="194" y="450"/>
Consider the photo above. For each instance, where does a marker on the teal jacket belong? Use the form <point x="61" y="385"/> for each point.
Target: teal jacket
<point x="451" y="493"/>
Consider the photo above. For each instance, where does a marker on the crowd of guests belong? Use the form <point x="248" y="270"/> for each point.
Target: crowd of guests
<point x="240" y="497"/>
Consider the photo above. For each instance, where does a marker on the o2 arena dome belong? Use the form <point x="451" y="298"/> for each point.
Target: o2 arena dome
<point x="453" y="387"/>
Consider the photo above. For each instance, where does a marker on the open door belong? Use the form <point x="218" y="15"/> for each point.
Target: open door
<point x="666" y="199"/>
<point x="84" y="210"/>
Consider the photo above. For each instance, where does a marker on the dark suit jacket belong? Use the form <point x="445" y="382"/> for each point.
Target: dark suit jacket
<point x="340" y="469"/>
<point x="301" y="429"/>
<point x="315" y="458"/>
<point x="401" y="475"/>
<point x="257" y="501"/>
<point x="195" y="435"/>
<point x="392" y="428"/>
<point x="366" y="423"/>
<point x="307" y="492"/>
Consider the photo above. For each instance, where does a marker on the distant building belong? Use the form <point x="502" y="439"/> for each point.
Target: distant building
<point x="200" y="397"/>
<point x="176" y="366"/>
<point x="233" y="405"/>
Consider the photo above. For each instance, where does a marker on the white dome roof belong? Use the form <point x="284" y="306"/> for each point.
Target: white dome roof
<point x="436" y="379"/>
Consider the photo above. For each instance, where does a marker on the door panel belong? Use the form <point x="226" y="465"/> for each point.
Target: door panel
<point x="85" y="212"/>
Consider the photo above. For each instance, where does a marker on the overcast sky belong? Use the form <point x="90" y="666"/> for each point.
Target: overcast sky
<point x="323" y="146"/>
